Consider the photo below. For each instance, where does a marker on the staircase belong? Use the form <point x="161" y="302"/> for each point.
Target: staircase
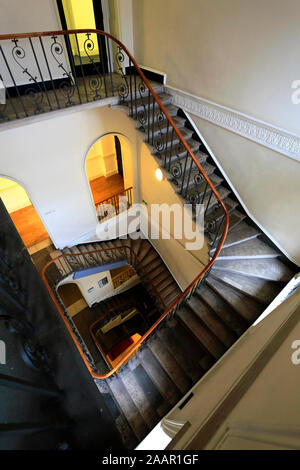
<point x="246" y="277"/>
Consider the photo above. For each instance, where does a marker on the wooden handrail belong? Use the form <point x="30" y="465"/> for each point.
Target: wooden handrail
<point x="190" y="152"/>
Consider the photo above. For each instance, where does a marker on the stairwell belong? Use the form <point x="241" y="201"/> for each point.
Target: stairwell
<point x="246" y="277"/>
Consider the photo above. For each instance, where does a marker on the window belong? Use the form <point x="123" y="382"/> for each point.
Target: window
<point x="103" y="282"/>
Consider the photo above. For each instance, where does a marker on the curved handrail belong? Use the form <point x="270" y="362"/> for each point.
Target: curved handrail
<point x="189" y="289"/>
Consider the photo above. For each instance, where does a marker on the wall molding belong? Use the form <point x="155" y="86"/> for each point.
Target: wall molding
<point x="275" y="138"/>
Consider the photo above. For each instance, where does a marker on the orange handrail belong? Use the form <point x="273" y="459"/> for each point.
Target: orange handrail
<point x="188" y="149"/>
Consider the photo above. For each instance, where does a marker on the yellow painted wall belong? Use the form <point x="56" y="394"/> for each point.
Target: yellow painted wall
<point x="13" y="195"/>
<point x="80" y="14"/>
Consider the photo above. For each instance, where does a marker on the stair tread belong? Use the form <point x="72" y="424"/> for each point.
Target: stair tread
<point x="270" y="269"/>
<point x="241" y="233"/>
<point x="128" y="407"/>
<point x="260" y="289"/>
<point x="249" y="249"/>
<point x="221" y="308"/>
<point x="169" y="363"/>
<point x="161" y="379"/>
<point x="180" y="157"/>
<point x="211" y="320"/>
<point x="204" y="335"/>
<point x="143" y="101"/>
<point x="149" y="388"/>
<point x="247" y="308"/>
<point x="139" y="398"/>
<point x="176" y="349"/>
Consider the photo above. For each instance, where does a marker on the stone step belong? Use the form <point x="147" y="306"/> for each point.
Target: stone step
<point x="211" y="320"/>
<point x="139" y="398"/>
<point x="260" y="289"/>
<point x="160" y="378"/>
<point x="246" y="307"/>
<point x="250" y="249"/>
<point x="269" y="269"/>
<point x="130" y="411"/>
<point x="152" y="393"/>
<point x="221" y="308"/>
<point x="176" y="349"/>
<point x="241" y="234"/>
<point x="208" y="341"/>
<point x="169" y="363"/>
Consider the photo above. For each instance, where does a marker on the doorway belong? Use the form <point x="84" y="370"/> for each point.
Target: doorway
<point x="87" y="14"/>
<point x="22" y="213"/>
<point x="104" y="167"/>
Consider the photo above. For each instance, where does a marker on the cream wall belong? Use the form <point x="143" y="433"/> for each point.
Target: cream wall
<point x="185" y="265"/>
<point x="26" y="17"/>
<point x="238" y="53"/>
<point x="267" y="183"/>
<point x="55" y="178"/>
<point x="101" y="160"/>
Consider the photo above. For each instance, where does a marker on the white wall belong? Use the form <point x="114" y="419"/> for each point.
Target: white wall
<point x="48" y="157"/>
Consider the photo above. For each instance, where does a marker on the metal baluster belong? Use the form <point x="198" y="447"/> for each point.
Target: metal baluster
<point x="49" y="71"/>
<point x="166" y="151"/>
<point x="40" y="72"/>
<point x="189" y="177"/>
<point x="183" y="173"/>
<point x="81" y="68"/>
<point x="130" y="88"/>
<point x="73" y="69"/>
<point x="153" y="119"/>
<point x="102" y="62"/>
<point x="110" y="66"/>
<point x="135" y="94"/>
<point x="171" y="148"/>
<point x="14" y="82"/>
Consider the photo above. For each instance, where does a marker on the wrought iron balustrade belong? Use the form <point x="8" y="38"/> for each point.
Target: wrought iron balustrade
<point x="115" y="204"/>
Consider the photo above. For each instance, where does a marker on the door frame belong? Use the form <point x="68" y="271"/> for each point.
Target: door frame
<point x="100" y="21"/>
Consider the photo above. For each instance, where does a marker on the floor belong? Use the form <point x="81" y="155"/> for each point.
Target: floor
<point x="103" y="188"/>
<point x="90" y="89"/>
<point x="29" y="226"/>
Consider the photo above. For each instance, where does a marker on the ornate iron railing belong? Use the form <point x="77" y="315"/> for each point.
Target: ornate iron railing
<point x="115" y="204"/>
<point x="122" y="77"/>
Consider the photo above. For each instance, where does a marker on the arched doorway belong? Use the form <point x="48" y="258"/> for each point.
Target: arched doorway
<point x="109" y="171"/>
<point x="23" y="214"/>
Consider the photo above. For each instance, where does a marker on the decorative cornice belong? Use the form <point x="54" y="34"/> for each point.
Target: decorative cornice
<point x="265" y="134"/>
